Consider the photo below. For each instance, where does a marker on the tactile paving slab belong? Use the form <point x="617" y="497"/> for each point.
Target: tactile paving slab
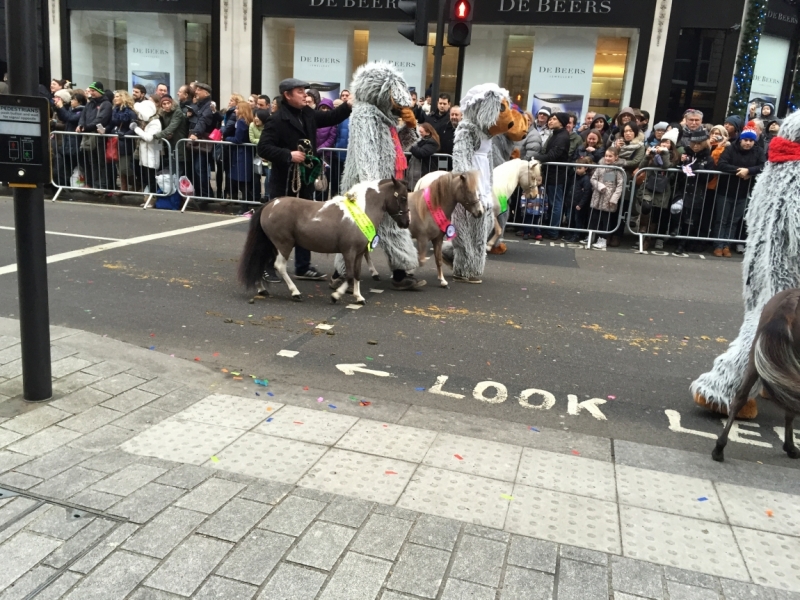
<point x="569" y="474"/>
<point x="665" y="492"/>
<point x="564" y="518"/>
<point x="306" y="425"/>
<point x="374" y="478"/>
<point x="268" y="457"/>
<point x="387" y="439"/>
<point x="460" y="496"/>
<point x="229" y="411"/>
<point x="182" y="441"/>
<point x="761" y="509"/>
<point x="681" y="542"/>
<point x="772" y="559"/>
<point x="474" y="456"/>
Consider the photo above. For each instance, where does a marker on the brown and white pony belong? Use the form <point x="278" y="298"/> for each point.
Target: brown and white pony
<point x="327" y="227"/>
<point x="775" y="362"/>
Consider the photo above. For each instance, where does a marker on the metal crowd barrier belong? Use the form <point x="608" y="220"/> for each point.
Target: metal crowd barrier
<point x="85" y="161"/>
<point x="334" y="160"/>
<point x="239" y="174"/>
<point x="556" y="208"/>
<point x="708" y="206"/>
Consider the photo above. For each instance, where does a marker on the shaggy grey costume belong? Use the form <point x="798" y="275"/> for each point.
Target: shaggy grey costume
<point x="502" y="147"/>
<point x="472" y="145"/>
<point x="771" y="265"/>
<point x="371" y="151"/>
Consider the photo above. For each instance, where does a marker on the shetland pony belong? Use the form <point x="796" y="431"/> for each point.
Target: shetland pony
<point x="775" y="362"/>
<point x="505" y="179"/>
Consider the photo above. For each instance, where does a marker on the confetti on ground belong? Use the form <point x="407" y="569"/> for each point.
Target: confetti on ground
<point x="331" y="406"/>
<point x="576" y="453"/>
<point x="365" y="403"/>
<point x="420" y="389"/>
<point x="370" y="358"/>
<point x="386" y="426"/>
<point x="612" y="397"/>
<point x="375" y="291"/>
<point x="770" y="513"/>
<point x="196" y="359"/>
<point x="702" y="499"/>
<point x="234" y="373"/>
<point x="353" y="398"/>
<point x="224" y="370"/>
<point x="257" y="394"/>
<point x="506" y="497"/>
<point x="353" y="306"/>
<point x="621" y="315"/>
<point x="261" y="382"/>
<point x="324" y="326"/>
<point x="458" y="456"/>
<point x="215" y="354"/>
<point x="418" y="353"/>
<point x="391" y="473"/>
<point x="238" y="378"/>
<point x="534" y="429"/>
<point x="298" y="422"/>
<point x="269" y="420"/>
<point x="524" y="289"/>
<point x="320" y="399"/>
<point x="152" y="335"/>
<point x="214" y="459"/>
<point x="270" y="394"/>
<point x="152" y="347"/>
<point x="305" y="388"/>
<point x="288" y="353"/>
<point x="269" y="408"/>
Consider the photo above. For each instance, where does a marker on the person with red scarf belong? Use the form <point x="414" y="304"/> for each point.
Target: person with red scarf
<point x="743" y="159"/>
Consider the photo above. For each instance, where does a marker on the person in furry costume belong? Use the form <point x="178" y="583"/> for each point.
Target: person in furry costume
<point x="771" y="264"/>
<point x="487" y="113"/>
<point x="375" y="150"/>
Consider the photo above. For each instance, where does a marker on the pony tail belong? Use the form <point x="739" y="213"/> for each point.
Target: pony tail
<point x="776" y="361"/>
<point x="259" y="251"/>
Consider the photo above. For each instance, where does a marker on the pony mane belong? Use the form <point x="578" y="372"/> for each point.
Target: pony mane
<point x="506" y="177"/>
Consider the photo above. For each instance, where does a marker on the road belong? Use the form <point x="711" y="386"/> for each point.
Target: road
<point x="597" y="342"/>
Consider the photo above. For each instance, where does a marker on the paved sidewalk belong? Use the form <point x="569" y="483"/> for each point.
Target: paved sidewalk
<point x="134" y="484"/>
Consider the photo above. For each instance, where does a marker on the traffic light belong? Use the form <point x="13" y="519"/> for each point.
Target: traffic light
<point x="418" y="31"/>
<point x="459" y="28"/>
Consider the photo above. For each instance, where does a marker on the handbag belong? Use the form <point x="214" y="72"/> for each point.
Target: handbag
<point x="112" y="150"/>
<point x="321" y="183"/>
<point x="215" y="135"/>
<point x="258" y="166"/>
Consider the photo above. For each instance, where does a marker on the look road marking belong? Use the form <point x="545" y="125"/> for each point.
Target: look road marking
<point x="129" y="242"/>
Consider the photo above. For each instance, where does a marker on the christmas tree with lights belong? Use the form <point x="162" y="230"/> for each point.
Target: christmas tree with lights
<point x="746" y="61"/>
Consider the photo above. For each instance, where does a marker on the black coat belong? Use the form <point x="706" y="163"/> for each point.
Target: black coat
<point x="582" y="191"/>
<point x="693" y="189"/>
<point x="439" y="121"/>
<point x="423" y="150"/>
<point x="734" y="158"/>
<point x="556" y="150"/>
<point x="446" y="137"/>
<point x="203" y="120"/>
<point x="282" y="135"/>
<point x="97" y="112"/>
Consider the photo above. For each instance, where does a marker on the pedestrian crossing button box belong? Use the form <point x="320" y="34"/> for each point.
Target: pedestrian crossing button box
<point x="24" y="140"/>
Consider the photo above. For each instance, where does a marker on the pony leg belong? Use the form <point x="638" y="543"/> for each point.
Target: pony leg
<point x="750" y="378"/>
<point x="357" y="283"/>
<point x="788" y="444"/>
<point x="498" y="231"/>
<point x="372" y="270"/>
<point x="347" y="278"/>
<point x="437" y="255"/>
<point x="280" y="267"/>
<point x="422" y="249"/>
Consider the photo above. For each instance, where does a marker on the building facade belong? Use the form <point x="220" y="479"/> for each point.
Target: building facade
<point x="600" y="55"/>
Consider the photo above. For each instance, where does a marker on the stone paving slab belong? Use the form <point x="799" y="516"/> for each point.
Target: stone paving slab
<point x="426" y="504"/>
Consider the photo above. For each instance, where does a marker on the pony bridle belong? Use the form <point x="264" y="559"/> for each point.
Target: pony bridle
<point x="533" y="188"/>
<point x="400" y="212"/>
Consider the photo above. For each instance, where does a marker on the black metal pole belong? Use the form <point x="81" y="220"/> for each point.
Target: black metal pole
<point x="438" y="53"/>
<point x="34" y="316"/>
<point x="460" y="73"/>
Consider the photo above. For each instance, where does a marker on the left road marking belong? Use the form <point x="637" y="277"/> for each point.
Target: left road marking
<point x="75" y="235"/>
<point x="129" y="242"/>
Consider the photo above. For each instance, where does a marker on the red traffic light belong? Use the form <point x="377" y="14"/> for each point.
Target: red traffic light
<point x="462" y="9"/>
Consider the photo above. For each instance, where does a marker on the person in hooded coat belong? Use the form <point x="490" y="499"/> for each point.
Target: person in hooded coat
<point x="734" y="125"/>
<point x="146" y="127"/>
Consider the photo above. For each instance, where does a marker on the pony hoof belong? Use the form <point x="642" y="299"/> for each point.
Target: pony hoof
<point x="297" y="297"/>
<point x="376" y="277"/>
<point x="362" y="302"/>
<point x="718" y="456"/>
<point x="334" y="299"/>
<point x="792" y="452"/>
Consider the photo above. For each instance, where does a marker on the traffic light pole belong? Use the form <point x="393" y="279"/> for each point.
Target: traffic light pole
<point x="459" y="74"/>
<point x="438" y="53"/>
<point x="34" y="316"/>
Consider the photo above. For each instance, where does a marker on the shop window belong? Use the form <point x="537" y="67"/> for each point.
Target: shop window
<point x="695" y="73"/>
<point x="278" y="54"/>
<point x="449" y="68"/>
<point x="608" y="77"/>
<point x="360" y="48"/>
<point x="121" y="49"/>
<point x="519" y="56"/>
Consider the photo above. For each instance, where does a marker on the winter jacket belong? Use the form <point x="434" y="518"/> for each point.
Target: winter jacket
<point x="174" y="127"/>
<point x="438" y="120"/>
<point x="607" y="187"/>
<point x="326" y="136"/>
<point x="656" y="188"/>
<point x="556" y="150"/>
<point x="582" y="191"/>
<point x="97" y="112"/>
<point x="121" y="119"/>
<point x="596" y="156"/>
<point x="734" y="158"/>
<point x="616" y="130"/>
<point x="229" y="123"/>
<point x="70" y="117"/>
<point x="255" y="132"/>
<point x="203" y="120"/>
<point x="532" y="144"/>
<point x="446" y="138"/>
<point x="241" y="157"/>
<point x="282" y="134"/>
<point x="149" y="146"/>
<point x="692" y="189"/>
<point x="343" y="134"/>
<point x="632" y="153"/>
<point x="575" y="142"/>
<point x="421" y="153"/>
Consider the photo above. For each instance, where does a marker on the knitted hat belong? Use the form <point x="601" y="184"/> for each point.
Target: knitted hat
<point x="562" y="117"/>
<point x="736" y="121"/>
<point x="546" y="110"/>
<point x="697" y="136"/>
<point x="661" y="125"/>
<point x="65" y="96"/>
<point x="98" y="87"/>
<point x="146" y="110"/>
<point x="672" y="135"/>
<point x="749" y="132"/>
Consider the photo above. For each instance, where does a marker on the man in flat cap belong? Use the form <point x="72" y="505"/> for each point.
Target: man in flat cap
<point x="203" y="125"/>
<point x="293" y="126"/>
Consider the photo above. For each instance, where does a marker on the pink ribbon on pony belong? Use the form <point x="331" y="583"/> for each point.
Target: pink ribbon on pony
<point x="400" y="161"/>
<point x="438" y="215"/>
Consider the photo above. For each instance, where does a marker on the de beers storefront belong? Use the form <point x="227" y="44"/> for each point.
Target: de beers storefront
<point x="578" y="54"/>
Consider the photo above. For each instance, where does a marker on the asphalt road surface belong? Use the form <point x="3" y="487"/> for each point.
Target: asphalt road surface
<point x="597" y="342"/>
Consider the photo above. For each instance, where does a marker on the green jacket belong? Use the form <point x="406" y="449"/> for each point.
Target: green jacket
<point x="174" y="127"/>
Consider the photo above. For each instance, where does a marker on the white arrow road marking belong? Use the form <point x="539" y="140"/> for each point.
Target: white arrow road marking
<point x="359" y="368"/>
